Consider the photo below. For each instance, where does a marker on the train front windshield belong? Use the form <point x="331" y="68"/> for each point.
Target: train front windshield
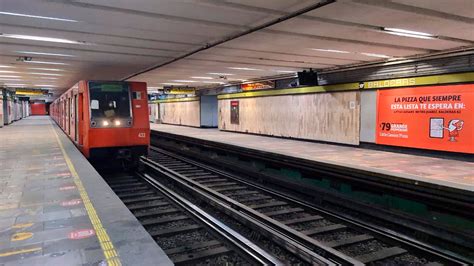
<point x="110" y="104"/>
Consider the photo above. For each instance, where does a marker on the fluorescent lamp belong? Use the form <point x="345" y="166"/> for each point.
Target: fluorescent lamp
<point x="245" y="68"/>
<point x="409" y="35"/>
<point x="34" y="16"/>
<point x="45" y="85"/>
<point x="7" y="71"/>
<point x="40" y="38"/>
<point x="376" y="55"/>
<point x="8" y="76"/>
<point x="4" y="66"/>
<point x="285" y="71"/>
<point x="214" y="82"/>
<point x="45" y="74"/>
<point x="184" y="80"/>
<point x="172" y="84"/>
<point x="202" y="77"/>
<point x="49" y="69"/>
<point x="221" y="74"/>
<point x="409" y="32"/>
<point x="10" y="79"/>
<point x="47" y="78"/>
<point x="38" y="53"/>
<point x="14" y="85"/>
<point x="46" y="62"/>
<point x="330" y="51"/>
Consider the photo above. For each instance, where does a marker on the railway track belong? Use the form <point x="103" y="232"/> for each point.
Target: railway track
<point x="188" y="235"/>
<point x="312" y="230"/>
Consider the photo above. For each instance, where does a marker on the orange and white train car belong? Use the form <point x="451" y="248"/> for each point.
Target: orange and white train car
<point x="107" y="120"/>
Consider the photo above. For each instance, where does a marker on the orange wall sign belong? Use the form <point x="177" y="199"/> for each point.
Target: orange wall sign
<point x="428" y="117"/>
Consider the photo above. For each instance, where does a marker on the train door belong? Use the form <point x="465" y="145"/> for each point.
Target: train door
<point x="80" y="118"/>
<point x="63" y="113"/>
<point x="67" y="113"/>
<point x="76" y="119"/>
<point x="72" y="126"/>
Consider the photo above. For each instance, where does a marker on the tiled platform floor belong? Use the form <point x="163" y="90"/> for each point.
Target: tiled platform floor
<point x="45" y="215"/>
<point x="444" y="172"/>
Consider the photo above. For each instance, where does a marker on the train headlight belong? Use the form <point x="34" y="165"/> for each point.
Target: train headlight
<point x="105" y="123"/>
<point x="117" y="122"/>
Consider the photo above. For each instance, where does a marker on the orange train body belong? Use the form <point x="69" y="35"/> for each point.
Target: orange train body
<point x="106" y="120"/>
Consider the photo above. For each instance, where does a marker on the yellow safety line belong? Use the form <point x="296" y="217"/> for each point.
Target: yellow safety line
<point x="106" y="244"/>
<point x="20" y="251"/>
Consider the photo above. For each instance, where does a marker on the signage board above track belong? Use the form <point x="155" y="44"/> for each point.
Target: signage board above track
<point x="179" y="90"/>
<point x="30" y="92"/>
<point x="418" y="81"/>
<point x="263" y="85"/>
<point x="377" y="84"/>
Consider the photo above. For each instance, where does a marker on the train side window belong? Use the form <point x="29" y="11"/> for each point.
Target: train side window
<point x="137" y="95"/>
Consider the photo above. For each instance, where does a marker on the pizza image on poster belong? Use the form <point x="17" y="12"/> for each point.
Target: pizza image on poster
<point x="427" y="117"/>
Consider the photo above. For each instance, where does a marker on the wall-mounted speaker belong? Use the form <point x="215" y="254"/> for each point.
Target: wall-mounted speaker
<point x="308" y="78"/>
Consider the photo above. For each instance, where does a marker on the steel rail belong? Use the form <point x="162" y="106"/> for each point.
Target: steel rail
<point x="383" y="233"/>
<point x="244" y="245"/>
<point x="307" y="248"/>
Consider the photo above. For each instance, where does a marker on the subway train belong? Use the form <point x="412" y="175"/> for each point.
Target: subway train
<point x="106" y="120"/>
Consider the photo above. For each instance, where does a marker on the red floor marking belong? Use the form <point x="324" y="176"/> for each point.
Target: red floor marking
<point x="73" y="202"/>
<point x="81" y="233"/>
<point x="67" y="188"/>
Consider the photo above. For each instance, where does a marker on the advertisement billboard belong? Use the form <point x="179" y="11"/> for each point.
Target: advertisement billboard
<point x="428" y="117"/>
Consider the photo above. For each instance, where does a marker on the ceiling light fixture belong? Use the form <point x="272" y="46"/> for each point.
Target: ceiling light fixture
<point x="42" y="85"/>
<point x="172" y="84"/>
<point x="409" y="33"/>
<point x="9" y="79"/>
<point x="376" y="55"/>
<point x="34" y="16"/>
<point x="14" y="85"/>
<point x="285" y="71"/>
<point x="40" y="38"/>
<point x="46" y="62"/>
<point x="45" y="74"/>
<point x="244" y="68"/>
<point x="47" y="78"/>
<point x="221" y="74"/>
<point x="49" y="69"/>
<point x="214" y="82"/>
<point x="184" y="80"/>
<point x="330" y="51"/>
<point x="4" y="66"/>
<point x="202" y="77"/>
<point x="40" y="53"/>
<point x="7" y="71"/>
<point x="8" y="76"/>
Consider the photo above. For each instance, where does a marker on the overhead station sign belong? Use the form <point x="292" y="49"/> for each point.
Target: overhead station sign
<point x="429" y="117"/>
<point x="258" y="85"/>
<point x="179" y="90"/>
<point x="30" y="92"/>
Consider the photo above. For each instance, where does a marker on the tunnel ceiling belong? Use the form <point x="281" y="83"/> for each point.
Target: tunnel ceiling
<point x="122" y="39"/>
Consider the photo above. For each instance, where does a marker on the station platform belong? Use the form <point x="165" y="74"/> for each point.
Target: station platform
<point x="55" y="209"/>
<point x="438" y="172"/>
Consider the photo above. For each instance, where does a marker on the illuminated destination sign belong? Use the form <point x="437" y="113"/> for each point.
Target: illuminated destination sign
<point x="30" y="92"/>
<point x="179" y="90"/>
<point x="258" y="85"/>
